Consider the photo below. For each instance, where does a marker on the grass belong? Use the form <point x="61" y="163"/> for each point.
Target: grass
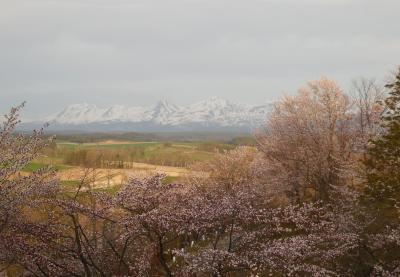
<point x="69" y="183"/>
<point x="157" y="153"/>
<point x="197" y="145"/>
<point x="109" y="190"/>
<point x="170" y="179"/>
<point x="65" y="155"/>
<point x="73" y="145"/>
<point x="33" y="166"/>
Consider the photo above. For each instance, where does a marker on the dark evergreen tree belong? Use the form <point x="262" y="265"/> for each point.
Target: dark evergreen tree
<point x="383" y="162"/>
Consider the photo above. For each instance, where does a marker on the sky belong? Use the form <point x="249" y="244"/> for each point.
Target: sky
<point x="135" y="52"/>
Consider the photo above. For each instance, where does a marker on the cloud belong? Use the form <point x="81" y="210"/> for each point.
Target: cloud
<point x="132" y="52"/>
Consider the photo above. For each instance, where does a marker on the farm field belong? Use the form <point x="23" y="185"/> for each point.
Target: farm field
<point x="111" y="163"/>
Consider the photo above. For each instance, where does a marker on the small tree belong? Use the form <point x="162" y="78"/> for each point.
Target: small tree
<point x="366" y="96"/>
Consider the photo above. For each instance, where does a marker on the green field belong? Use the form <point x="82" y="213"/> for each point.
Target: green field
<point x="66" y="157"/>
<point x="120" y="154"/>
<point x="33" y="166"/>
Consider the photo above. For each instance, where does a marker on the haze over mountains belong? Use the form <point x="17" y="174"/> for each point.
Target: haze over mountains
<point x="213" y="114"/>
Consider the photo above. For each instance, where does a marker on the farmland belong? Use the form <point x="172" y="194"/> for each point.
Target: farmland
<point x="113" y="162"/>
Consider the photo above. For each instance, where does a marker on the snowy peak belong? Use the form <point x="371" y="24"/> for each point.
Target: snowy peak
<point x="115" y="111"/>
<point x="162" y="111"/>
<point x="79" y="113"/>
<point x="164" y="105"/>
<point x="164" y="108"/>
<point x="213" y="112"/>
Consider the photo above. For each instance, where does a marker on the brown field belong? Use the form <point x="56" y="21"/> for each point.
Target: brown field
<point x="111" y="177"/>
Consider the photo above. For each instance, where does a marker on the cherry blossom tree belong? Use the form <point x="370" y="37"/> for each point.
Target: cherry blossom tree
<point x="46" y="231"/>
<point x="309" y="140"/>
<point x="241" y="228"/>
<point x="21" y="195"/>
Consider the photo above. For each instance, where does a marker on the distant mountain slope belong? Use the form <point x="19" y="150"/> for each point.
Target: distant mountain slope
<point x="214" y="114"/>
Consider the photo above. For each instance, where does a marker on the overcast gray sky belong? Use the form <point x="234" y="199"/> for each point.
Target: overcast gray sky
<point x="135" y="52"/>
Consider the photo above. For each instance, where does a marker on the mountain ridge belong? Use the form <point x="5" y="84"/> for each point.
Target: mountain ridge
<point x="211" y="114"/>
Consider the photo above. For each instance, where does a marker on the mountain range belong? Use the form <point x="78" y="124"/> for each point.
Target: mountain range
<point x="213" y="114"/>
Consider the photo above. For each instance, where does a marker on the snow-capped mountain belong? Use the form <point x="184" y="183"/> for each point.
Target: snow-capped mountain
<point x="213" y="114"/>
